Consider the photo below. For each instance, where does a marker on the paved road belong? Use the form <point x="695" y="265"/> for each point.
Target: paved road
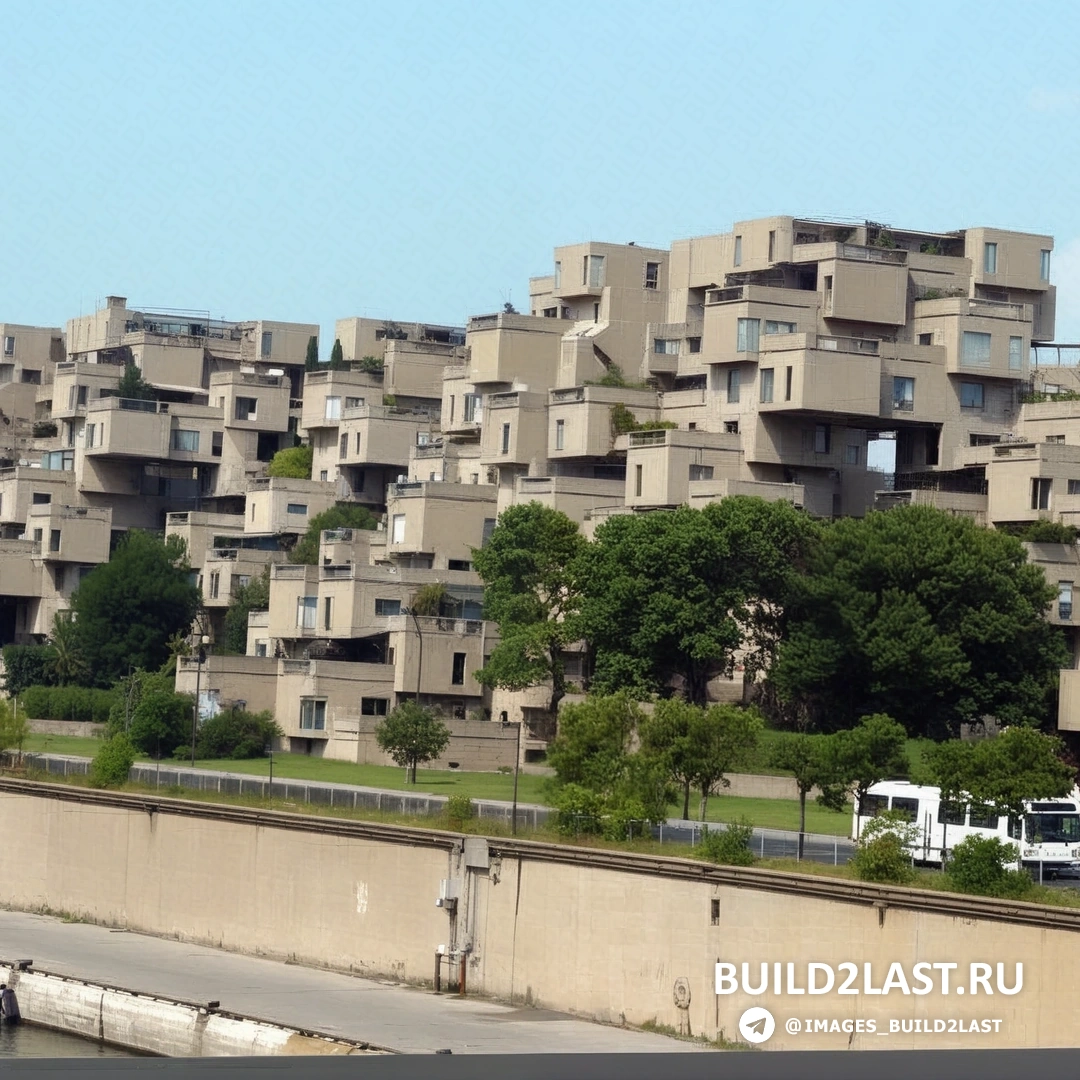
<point x="387" y="1014"/>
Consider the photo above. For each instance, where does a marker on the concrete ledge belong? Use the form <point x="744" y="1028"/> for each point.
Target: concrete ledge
<point x="159" y="1026"/>
<point x="80" y="729"/>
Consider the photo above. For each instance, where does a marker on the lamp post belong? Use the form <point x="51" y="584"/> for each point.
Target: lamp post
<point x="204" y="641"/>
<point x="270" y="787"/>
<point x="517" y="768"/>
<point x="420" y="657"/>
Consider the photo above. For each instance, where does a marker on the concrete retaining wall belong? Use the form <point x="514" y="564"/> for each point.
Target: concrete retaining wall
<point x="155" y="1025"/>
<point x="80" y="729"/>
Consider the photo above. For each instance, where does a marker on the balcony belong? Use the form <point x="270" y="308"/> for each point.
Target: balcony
<point x="814" y="253"/>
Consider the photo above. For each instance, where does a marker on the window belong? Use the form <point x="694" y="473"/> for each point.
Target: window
<point x="458" y="564"/>
<point x="1040" y="493"/>
<point x="1065" y="599"/>
<point x="1016" y="353"/>
<point x="731" y="427"/>
<point x="397" y="535"/>
<point x="596" y="313"/>
<point x="774" y="327"/>
<point x="733" y="386"/>
<point x="457" y="678"/>
<point x="951" y="813"/>
<point x="822" y="440"/>
<point x="328" y="609"/>
<point x="374" y="706"/>
<point x="246" y="408"/>
<point x="267" y="343"/>
<point x="58" y="577"/>
<point x="472" y="408"/>
<point x="300" y="509"/>
<point x="358" y="444"/>
<point x="903" y="394"/>
<point x="787" y="384"/>
<point x="975" y="349"/>
<point x="1044" y="274"/>
<point x="54" y="539"/>
<point x="990" y="258"/>
<point x="91" y="433"/>
<point x="333" y="409"/>
<point x="926" y="339"/>
<point x="851" y="455"/>
<point x="637" y="479"/>
<point x="506" y="438"/>
<point x="872" y="805"/>
<point x="693" y="344"/>
<point x="215" y="443"/>
<point x="560" y="434"/>
<point x="748" y="335"/>
<point x="323" y="475"/>
<point x="828" y="294"/>
<point x="312" y="715"/>
<point x="983" y="817"/>
<point x="1074" y="487"/>
<point x="306" y="607"/>
<point x="253" y="511"/>
<point x="41" y="498"/>
<point x="908" y="807"/>
<point x="971" y="395"/>
<point x="260" y="648"/>
<point x="593" y="271"/>
<point x="550" y="313"/>
<point x="558" y="275"/>
<point x="343" y="445"/>
<point x="387" y="607"/>
<point x="489" y="528"/>
<point x="187" y="441"/>
<point x="701" y="472"/>
<point x="652" y="275"/>
<point x="37" y="536"/>
<point x="766" y="384"/>
<point x="666" y="346"/>
<point x="353" y="402"/>
<point x="9" y="345"/>
<point x="738" y="251"/>
<point x="772" y="245"/>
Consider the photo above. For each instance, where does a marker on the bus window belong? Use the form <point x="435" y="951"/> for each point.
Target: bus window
<point x="983" y="817"/>
<point x="909" y="807"/>
<point x="872" y="805"/>
<point x="1060" y="828"/>
<point x="951" y="813"/>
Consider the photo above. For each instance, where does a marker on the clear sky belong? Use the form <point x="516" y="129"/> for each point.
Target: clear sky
<point x="421" y="160"/>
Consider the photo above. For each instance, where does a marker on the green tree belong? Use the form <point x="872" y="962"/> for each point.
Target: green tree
<point x="341" y="516"/>
<point x="412" y="736"/>
<point x="429" y="599"/>
<point x="161" y="722"/>
<point x="13" y="726"/>
<point x="871" y="751"/>
<point x="236" y="734"/>
<point x="337" y="357"/>
<point x="311" y="360"/>
<point x="729" y="846"/>
<point x="883" y="852"/>
<point x="133" y="385"/>
<point x="723" y="739"/>
<point x="67" y="664"/>
<point x="924" y="617"/>
<point x="1018" y="766"/>
<point x="27" y="665"/>
<point x="293" y="463"/>
<point x="530" y="590"/>
<point x="667" y="599"/>
<point x="669" y="733"/>
<point x="980" y="865"/>
<point x="112" y="763"/>
<point x="127" y="609"/>
<point x="254" y="596"/>
<point x="811" y="760"/>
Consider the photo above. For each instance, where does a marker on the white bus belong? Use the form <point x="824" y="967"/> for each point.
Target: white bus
<point x="1048" y="838"/>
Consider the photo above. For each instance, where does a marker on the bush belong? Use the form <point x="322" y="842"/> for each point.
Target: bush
<point x="112" y="763"/>
<point x="883" y="852"/>
<point x="293" y="463"/>
<point x="729" y="846"/>
<point x="578" y="810"/>
<point x="235" y="734"/>
<point x="27" y="665"/>
<point x="459" y="809"/>
<point x="625" y="818"/>
<point x="13" y="726"/>
<point x="45" y="429"/>
<point x="979" y="865"/>
<point x="161" y="722"/>
<point x="68" y="703"/>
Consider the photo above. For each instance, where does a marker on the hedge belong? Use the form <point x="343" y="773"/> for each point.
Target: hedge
<point x="67" y="703"/>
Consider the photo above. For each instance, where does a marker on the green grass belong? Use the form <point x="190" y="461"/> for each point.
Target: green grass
<point x="61" y="744"/>
<point x="772" y="814"/>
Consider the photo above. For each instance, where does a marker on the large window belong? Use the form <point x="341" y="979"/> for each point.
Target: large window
<point x="216" y="441"/>
<point x="766" y="384"/>
<point x="971" y="395"/>
<point x="560" y="434"/>
<point x="306" y="608"/>
<point x="774" y="327"/>
<point x="903" y="393"/>
<point x="185" y="440"/>
<point x="9" y="345"/>
<point x="975" y="349"/>
<point x="343" y="445"/>
<point x="593" y="271"/>
<point x="1040" y="493"/>
<point x="457" y="677"/>
<point x="506" y="438"/>
<point x="472" y="408"/>
<point x="1044" y="265"/>
<point x="387" y="607"/>
<point x="1016" y="353"/>
<point x="333" y="409"/>
<point x="558" y="275"/>
<point x="297" y="509"/>
<point x="749" y="333"/>
<point x="733" y="386"/>
<point x="397" y="535"/>
<point x="312" y="714"/>
<point x="990" y="258"/>
<point x="246" y="408"/>
<point x="822" y="439"/>
<point x="652" y="275"/>
<point x="738" y="251"/>
<point x="374" y="706"/>
<point x="701" y="472"/>
<point x="1065" y="600"/>
<point x="666" y="346"/>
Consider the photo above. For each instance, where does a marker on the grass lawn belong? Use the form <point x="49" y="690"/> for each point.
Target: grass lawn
<point x="61" y="744"/>
<point x="773" y="814"/>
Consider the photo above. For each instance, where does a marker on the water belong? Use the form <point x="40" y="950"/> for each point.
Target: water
<point x="27" y="1040"/>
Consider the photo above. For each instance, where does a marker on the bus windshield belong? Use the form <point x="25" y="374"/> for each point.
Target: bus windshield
<point x="1052" y="828"/>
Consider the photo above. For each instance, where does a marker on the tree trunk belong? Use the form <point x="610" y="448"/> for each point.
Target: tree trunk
<point x="558" y="684"/>
<point x="802" y="818"/>
<point x="704" y="799"/>
<point x="686" y="801"/>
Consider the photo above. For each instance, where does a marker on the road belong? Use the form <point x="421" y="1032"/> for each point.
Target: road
<point x="384" y="1013"/>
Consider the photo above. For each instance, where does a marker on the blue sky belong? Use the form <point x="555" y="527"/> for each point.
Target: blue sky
<point x="420" y="161"/>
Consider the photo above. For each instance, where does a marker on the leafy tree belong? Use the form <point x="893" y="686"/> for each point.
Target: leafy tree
<point x="293" y="463"/>
<point x="723" y="739"/>
<point x="871" y="751"/>
<point x="161" y="722"/>
<point x="669" y="598"/>
<point x="311" y="360"/>
<point x="729" y="846"/>
<point x="112" y="763"/>
<point x="236" y="734"/>
<point x="668" y="732"/>
<point x="254" y="596"/>
<point x="337" y="356"/>
<point x="342" y="516"/>
<point x="27" y="665"/>
<point x="924" y="617"/>
<point x="980" y="865"/>
<point x="429" y="599"/>
<point x="67" y="664"/>
<point x="883" y="852"/>
<point x="412" y="735"/>
<point x="13" y="726"/>
<point x="1044" y="532"/>
<point x="1018" y="766"/>
<point x="372" y="365"/>
<point x="127" y="609"/>
<point x="133" y="385"/>
<point x="811" y="760"/>
<point x="527" y="567"/>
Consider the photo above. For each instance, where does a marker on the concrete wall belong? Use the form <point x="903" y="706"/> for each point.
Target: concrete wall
<point x="599" y="934"/>
<point x="79" y="729"/>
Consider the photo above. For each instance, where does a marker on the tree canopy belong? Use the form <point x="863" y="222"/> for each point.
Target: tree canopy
<point x="127" y="609"/>
<point x="311" y="358"/>
<point x="412" y="735"/>
<point x="342" y="516"/>
<point x="254" y="596"/>
<point x="133" y="385"/>
<point x="293" y="463"/>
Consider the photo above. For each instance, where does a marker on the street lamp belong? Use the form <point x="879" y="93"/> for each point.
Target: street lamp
<point x="517" y="767"/>
<point x="204" y="641"/>
<point x="270" y="787"/>
<point x="420" y="657"/>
